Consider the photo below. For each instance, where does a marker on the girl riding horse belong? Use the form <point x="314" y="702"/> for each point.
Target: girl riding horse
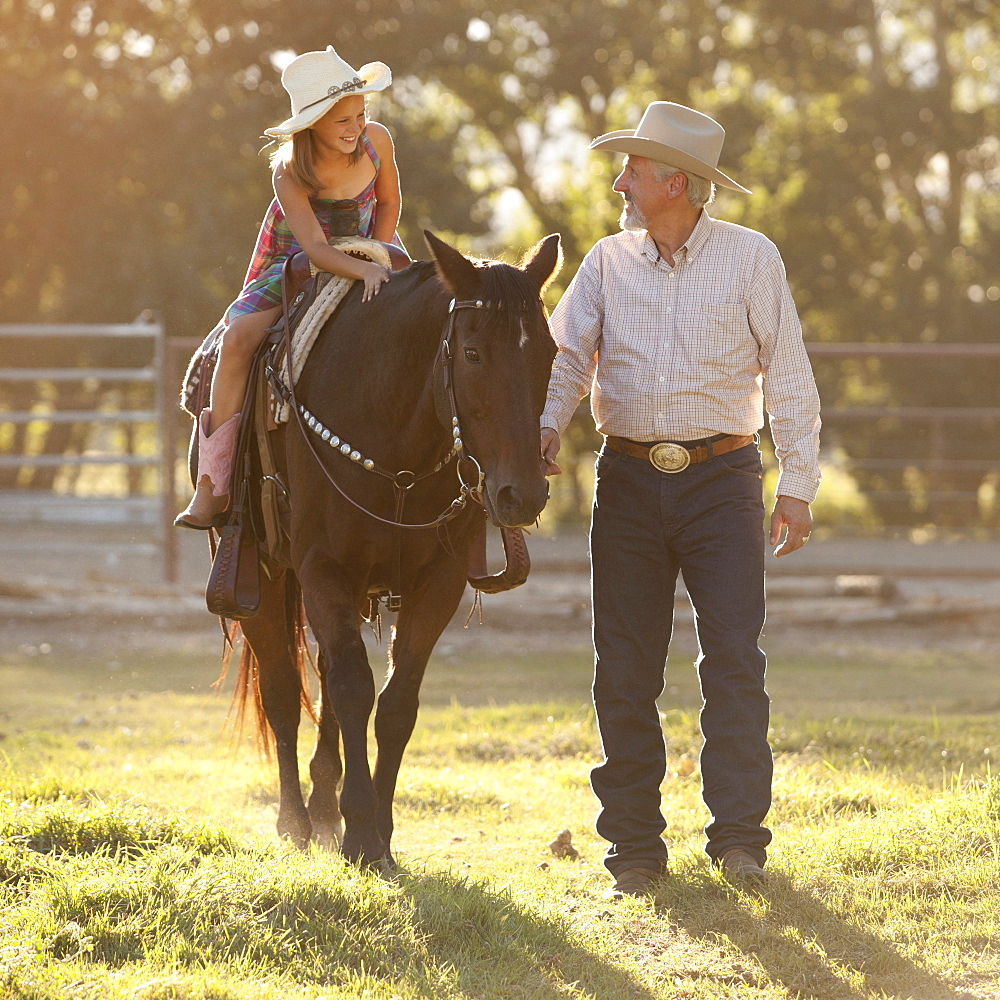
<point x="328" y="151"/>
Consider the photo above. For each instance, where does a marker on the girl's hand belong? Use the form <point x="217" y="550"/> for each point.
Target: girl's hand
<point x="373" y="277"/>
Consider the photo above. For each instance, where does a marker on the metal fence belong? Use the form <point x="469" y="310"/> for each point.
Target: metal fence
<point x="932" y="425"/>
<point x="63" y="381"/>
<point x="157" y="372"/>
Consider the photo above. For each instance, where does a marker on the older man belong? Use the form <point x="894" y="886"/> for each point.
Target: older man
<point x="683" y="330"/>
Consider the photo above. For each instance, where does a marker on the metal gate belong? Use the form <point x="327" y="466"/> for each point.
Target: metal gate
<point x="83" y="415"/>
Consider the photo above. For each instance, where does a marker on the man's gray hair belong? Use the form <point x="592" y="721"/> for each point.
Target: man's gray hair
<point x="700" y="190"/>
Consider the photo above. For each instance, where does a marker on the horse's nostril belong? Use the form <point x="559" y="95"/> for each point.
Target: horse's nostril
<point x="518" y="507"/>
<point x="508" y="498"/>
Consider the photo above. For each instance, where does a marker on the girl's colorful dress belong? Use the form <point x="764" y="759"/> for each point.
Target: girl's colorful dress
<point x="275" y="244"/>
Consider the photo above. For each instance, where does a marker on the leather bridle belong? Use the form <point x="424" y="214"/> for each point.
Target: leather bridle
<point x="447" y="409"/>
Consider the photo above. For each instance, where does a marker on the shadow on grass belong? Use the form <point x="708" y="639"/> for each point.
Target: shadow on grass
<point x="802" y="944"/>
<point x="497" y="947"/>
<point x="108" y="888"/>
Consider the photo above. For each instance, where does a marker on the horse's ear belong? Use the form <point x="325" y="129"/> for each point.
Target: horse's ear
<point x="456" y="270"/>
<point x="541" y="264"/>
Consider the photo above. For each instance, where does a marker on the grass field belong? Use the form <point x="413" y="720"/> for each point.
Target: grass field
<point x="138" y="858"/>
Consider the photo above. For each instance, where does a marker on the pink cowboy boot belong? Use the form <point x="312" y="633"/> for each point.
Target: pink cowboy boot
<point x="215" y="465"/>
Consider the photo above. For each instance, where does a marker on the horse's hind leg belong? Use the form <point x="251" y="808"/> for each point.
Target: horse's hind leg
<point x="422" y="619"/>
<point x="326" y="770"/>
<point x="270" y="635"/>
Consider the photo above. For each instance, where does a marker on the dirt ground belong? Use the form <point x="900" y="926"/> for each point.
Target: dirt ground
<point x="94" y="587"/>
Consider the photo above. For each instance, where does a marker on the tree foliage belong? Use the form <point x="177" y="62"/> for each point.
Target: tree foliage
<point x="133" y="177"/>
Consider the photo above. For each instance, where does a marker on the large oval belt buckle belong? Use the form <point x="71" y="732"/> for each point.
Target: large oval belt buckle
<point x="670" y="457"/>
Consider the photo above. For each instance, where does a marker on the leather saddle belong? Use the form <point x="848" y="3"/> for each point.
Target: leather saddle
<point x="302" y="288"/>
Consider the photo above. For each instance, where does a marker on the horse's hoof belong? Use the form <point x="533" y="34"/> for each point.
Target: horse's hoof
<point x="386" y="868"/>
<point x="327" y="832"/>
<point x="361" y="854"/>
<point x="380" y="863"/>
<point x="297" y="838"/>
<point x="327" y="841"/>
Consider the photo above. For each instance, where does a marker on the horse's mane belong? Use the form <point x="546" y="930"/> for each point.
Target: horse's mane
<point x="503" y="283"/>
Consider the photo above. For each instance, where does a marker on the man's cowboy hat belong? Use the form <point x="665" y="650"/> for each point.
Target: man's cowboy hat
<point x="315" y="81"/>
<point x="676" y="135"/>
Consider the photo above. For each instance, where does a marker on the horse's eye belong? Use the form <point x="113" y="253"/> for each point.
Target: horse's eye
<point x="472" y="356"/>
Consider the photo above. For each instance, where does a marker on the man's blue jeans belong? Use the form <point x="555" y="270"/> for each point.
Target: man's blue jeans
<point x="705" y="522"/>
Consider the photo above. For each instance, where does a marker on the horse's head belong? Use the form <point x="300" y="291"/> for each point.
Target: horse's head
<point x="503" y="353"/>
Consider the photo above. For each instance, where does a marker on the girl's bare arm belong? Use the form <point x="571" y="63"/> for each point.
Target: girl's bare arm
<point x="387" y="193"/>
<point x="309" y="234"/>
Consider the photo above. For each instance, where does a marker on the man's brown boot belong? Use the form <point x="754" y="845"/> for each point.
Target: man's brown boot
<point x="740" y="866"/>
<point x="633" y="882"/>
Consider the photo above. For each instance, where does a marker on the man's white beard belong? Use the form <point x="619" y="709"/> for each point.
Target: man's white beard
<point x="632" y="219"/>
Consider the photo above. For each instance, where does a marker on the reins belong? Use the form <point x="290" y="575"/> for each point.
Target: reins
<point x="404" y="480"/>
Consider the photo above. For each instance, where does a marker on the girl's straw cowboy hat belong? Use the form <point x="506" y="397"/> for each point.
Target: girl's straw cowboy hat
<point x="676" y="135"/>
<point x="315" y="81"/>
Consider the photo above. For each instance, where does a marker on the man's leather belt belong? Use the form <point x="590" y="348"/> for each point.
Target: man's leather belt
<point x="673" y="456"/>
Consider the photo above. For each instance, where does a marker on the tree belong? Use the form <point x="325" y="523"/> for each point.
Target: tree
<point x="885" y="200"/>
<point x="867" y="129"/>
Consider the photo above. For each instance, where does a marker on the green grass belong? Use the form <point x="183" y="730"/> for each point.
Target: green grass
<point x="138" y="858"/>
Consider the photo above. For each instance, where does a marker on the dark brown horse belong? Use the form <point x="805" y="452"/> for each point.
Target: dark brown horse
<point x="393" y="427"/>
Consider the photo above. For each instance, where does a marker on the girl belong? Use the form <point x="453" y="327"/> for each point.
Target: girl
<point x="329" y="152"/>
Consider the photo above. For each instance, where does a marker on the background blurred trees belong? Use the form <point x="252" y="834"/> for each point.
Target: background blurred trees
<point x="132" y="175"/>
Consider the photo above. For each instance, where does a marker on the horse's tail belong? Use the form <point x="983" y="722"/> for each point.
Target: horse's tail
<point x="247" y="696"/>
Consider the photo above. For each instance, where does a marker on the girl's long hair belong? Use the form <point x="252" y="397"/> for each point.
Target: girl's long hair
<point x="299" y="155"/>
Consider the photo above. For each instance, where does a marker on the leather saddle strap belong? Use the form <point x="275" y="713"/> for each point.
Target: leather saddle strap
<point x="272" y="489"/>
<point x="233" y="589"/>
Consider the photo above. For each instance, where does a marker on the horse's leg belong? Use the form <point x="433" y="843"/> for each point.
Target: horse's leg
<point x="326" y="770"/>
<point x="422" y="618"/>
<point x="349" y="691"/>
<point x="269" y="634"/>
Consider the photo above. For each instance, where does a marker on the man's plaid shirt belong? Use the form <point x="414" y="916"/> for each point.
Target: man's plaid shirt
<point x="684" y="352"/>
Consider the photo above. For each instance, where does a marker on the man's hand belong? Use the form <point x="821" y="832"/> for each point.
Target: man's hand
<point x="795" y="516"/>
<point x="550" y="448"/>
